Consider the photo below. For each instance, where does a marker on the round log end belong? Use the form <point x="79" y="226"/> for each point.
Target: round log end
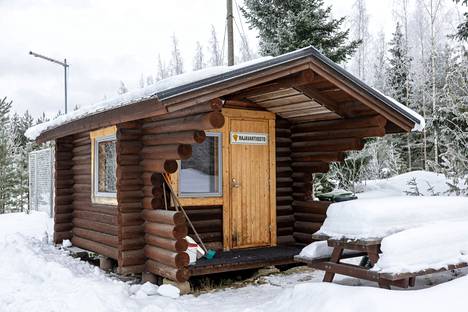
<point x="181" y="245"/>
<point x="184" y="151"/>
<point x="216" y="104"/>
<point x="182" y="259"/>
<point x="170" y="166"/>
<point x="180" y="231"/>
<point x="199" y="136"/>
<point x="217" y="120"/>
<point x="179" y="218"/>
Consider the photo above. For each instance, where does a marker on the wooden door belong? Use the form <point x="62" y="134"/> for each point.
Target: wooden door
<point x="250" y="184"/>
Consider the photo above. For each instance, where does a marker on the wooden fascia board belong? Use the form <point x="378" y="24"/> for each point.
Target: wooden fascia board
<point x="234" y="85"/>
<point x="140" y="110"/>
<point x="363" y="97"/>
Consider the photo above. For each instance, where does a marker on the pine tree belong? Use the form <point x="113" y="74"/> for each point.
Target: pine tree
<point x="286" y="26"/>
<point x="462" y="28"/>
<point x="141" y="82"/>
<point x="246" y="54"/>
<point x="162" y="72"/>
<point x="149" y="80"/>
<point x="122" y="89"/>
<point x="216" y="54"/>
<point x="199" y="58"/>
<point x="380" y="64"/>
<point x="400" y="83"/>
<point x="452" y="118"/>
<point x="176" y="65"/>
<point x="7" y="173"/>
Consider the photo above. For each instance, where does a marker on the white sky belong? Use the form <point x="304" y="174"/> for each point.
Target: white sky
<point x="107" y="41"/>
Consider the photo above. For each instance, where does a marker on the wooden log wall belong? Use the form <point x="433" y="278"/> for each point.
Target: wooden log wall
<point x="63" y="189"/>
<point x="208" y="221"/>
<point x="284" y="184"/>
<point x="95" y="226"/>
<point x="309" y="217"/>
<point x="314" y="145"/>
<point x="131" y="239"/>
<point x="165" y="231"/>
<point x="166" y="139"/>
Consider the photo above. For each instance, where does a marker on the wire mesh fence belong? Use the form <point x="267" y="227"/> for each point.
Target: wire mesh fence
<point x="41" y="181"/>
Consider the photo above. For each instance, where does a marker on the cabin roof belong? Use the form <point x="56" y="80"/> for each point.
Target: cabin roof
<point x="192" y="88"/>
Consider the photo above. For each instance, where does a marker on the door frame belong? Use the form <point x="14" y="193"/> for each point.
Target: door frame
<point x="242" y="114"/>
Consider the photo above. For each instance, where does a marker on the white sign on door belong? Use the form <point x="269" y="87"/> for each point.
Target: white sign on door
<point x="249" y="138"/>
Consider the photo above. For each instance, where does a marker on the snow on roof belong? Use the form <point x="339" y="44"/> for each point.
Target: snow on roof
<point x="136" y="96"/>
<point x="187" y="82"/>
<point x="417" y="126"/>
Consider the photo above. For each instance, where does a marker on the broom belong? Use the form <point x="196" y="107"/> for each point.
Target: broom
<point x="209" y="253"/>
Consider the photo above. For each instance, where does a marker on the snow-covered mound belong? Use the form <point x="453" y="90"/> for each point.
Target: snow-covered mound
<point x="428" y="247"/>
<point x="36" y="224"/>
<point x="380" y="217"/>
<point x="330" y="297"/>
<point x="427" y="182"/>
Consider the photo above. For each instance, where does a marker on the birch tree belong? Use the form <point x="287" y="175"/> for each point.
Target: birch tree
<point x="360" y="33"/>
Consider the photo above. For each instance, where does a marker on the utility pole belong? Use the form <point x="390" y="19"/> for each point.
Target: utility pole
<point x="65" y="68"/>
<point x="230" y="33"/>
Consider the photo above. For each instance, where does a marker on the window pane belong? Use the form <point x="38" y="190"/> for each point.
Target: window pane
<point x="200" y="173"/>
<point x="107" y="163"/>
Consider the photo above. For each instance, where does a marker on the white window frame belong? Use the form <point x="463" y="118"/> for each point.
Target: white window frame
<point x="218" y="135"/>
<point x="97" y="140"/>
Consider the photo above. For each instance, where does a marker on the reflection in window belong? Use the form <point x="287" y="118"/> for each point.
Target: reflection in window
<point x="200" y="175"/>
<point x="106" y="166"/>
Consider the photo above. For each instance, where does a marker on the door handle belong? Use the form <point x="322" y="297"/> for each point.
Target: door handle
<point x="235" y="183"/>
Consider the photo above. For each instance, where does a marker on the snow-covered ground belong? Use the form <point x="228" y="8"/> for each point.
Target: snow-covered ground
<point x="36" y="276"/>
<point x="427" y="183"/>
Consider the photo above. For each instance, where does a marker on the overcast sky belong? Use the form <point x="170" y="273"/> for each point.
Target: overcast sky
<point x="107" y="41"/>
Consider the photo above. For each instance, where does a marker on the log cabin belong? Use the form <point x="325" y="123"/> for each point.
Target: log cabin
<point x="240" y="145"/>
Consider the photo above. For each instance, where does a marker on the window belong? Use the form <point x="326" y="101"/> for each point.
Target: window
<point x="200" y="176"/>
<point x="105" y="183"/>
<point x="104" y="166"/>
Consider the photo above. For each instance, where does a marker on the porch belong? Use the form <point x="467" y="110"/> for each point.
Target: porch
<point x="243" y="259"/>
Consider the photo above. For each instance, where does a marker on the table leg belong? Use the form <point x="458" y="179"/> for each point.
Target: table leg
<point x="335" y="258"/>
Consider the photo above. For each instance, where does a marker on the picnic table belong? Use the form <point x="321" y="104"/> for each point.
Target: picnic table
<point x="369" y="248"/>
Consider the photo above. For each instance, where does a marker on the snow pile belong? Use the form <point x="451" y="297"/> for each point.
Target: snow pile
<point x="427" y="182"/>
<point x="145" y="290"/>
<point x="328" y="297"/>
<point x="377" y="218"/>
<point x="433" y="246"/>
<point x="35" y="224"/>
<point x="169" y="291"/>
<point x="316" y="250"/>
<point x="137" y="95"/>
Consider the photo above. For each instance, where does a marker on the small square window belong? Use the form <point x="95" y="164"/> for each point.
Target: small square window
<point x="200" y="176"/>
<point x="105" y="182"/>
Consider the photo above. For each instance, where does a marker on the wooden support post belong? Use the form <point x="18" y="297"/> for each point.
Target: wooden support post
<point x="149" y="277"/>
<point x="105" y="263"/>
<point x="335" y="258"/>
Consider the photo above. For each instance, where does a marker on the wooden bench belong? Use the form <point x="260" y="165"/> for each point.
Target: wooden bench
<point x="369" y="248"/>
